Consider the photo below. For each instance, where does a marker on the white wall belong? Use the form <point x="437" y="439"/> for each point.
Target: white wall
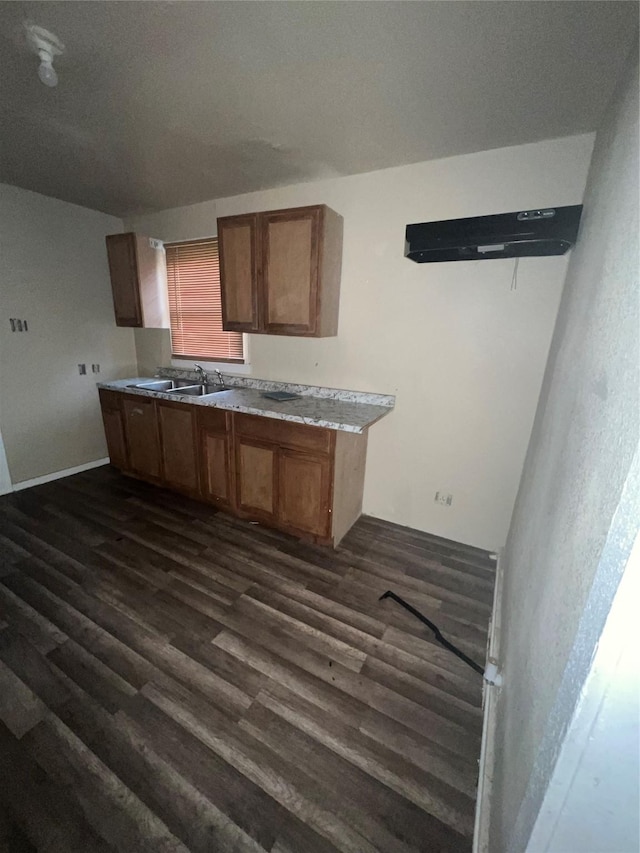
<point x="463" y="353"/>
<point x="578" y="510"/>
<point x="55" y="275"/>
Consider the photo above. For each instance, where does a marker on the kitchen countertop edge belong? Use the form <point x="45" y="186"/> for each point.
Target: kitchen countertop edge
<point x="341" y="415"/>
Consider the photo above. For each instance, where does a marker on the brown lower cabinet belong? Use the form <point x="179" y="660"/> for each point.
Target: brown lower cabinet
<point x="303" y="479"/>
<point x="257" y="483"/>
<point x="214" y="456"/>
<point x="141" y="435"/>
<point x="178" y="445"/>
<point x="305" y="492"/>
<point x="113" y="419"/>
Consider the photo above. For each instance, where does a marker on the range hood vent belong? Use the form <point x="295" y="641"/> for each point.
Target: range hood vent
<point x="544" y="231"/>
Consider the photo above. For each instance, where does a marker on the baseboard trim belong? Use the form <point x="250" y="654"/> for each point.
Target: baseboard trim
<point x="487" y="748"/>
<point x="58" y="475"/>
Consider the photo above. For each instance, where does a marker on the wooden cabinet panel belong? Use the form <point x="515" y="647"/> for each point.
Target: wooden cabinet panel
<point x="349" y="461"/>
<point x="138" y="281"/>
<point x="304" y="492"/>
<point x="215" y="467"/>
<point x="284" y="433"/>
<point x="114" y="432"/>
<point x="237" y="239"/>
<point x="214" y="420"/>
<point x="215" y="456"/>
<point x="141" y="431"/>
<point x="280" y="271"/>
<point x="256" y="471"/>
<point x="123" y="268"/>
<point x="178" y="442"/>
<point x="290" y="270"/>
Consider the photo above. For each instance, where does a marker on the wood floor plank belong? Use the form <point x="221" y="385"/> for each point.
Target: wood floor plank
<point x="174" y="678"/>
<point x="48" y="816"/>
<point x="260" y="766"/>
<point x="379" y="527"/>
<point x="377" y="811"/>
<point x="128" y="751"/>
<point x="96" y="678"/>
<point x="33" y="668"/>
<point x="330" y="627"/>
<point x="414" y="563"/>
<point x="418" y="749"/>
<point x="116" y="654"/>
<point x="347" y="654"/>
<point x="111" y="808"/>
<point x="255" y="812"/>
<point x="40" y="632"/>
<point x="436" y="798"/>
<point x="20" y="708"/>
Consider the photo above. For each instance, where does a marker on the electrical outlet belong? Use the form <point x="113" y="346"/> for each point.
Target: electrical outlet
<point x="443" y="498"/>
<point x="95" y="368"/>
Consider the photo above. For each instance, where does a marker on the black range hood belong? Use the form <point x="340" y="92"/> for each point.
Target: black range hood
<point x="543" y="231"/>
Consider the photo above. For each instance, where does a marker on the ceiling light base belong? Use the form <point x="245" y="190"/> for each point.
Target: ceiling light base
<point x="46" y="45"/>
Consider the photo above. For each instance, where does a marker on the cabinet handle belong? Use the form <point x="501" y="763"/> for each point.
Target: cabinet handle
<point x="136" y="412"/>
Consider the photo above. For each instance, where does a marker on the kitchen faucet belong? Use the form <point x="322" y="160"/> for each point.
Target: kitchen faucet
<point x="202" y="372"/>
<point x="203" y="375"/>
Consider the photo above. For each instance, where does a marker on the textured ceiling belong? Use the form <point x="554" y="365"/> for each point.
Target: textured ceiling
<point x="164" y="104"/>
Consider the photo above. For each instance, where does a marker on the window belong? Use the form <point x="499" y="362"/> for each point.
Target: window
<point x="195" y="308"/>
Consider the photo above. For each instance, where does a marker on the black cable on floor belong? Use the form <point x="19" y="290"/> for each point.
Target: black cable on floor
<point x="439" y="638"/>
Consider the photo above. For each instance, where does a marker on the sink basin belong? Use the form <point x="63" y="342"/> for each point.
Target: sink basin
<point x="160" y="385"/>
<point x="164" y="385"/>
<point x="196" y="390"/>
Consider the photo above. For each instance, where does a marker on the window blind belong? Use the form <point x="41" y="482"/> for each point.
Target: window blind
<point x="195" y="308"/>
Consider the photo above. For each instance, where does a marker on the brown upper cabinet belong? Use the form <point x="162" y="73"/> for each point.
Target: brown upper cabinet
<point x="280" y="271"/>
<point x="138" y="281"/>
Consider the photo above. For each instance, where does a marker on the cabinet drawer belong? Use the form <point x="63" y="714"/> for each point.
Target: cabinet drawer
<point x="284" y="433"/>
<point x="213" y="420"/>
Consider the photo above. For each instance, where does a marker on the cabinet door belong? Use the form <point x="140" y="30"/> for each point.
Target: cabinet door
<point x="238" y="247"/>
<point x="214" y="449"/>
<point x="214" y="442"/>
<point x="123" y="267"/>
<point x="141" y="431"/>
<point x="256" y="472"/>
<point x="290" y="265"/>
<point x="304" y="492"/>
<point x="178" y="443"/>
<point x="114" y="433"/>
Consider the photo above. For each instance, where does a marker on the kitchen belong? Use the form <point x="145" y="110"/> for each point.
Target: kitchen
<point x="450" y="358"/>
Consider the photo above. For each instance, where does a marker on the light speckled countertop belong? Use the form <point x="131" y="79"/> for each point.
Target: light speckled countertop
<point x="333" y="408"/>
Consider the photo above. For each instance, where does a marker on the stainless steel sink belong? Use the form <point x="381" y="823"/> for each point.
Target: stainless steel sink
<point x="164" y="385"/>
<point x="179" y="387"/>
<point x="196" y="390"/>
<point x="160" y="385"/>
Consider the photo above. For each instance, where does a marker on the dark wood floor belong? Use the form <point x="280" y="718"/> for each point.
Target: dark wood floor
<point x="172" y="678"/>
